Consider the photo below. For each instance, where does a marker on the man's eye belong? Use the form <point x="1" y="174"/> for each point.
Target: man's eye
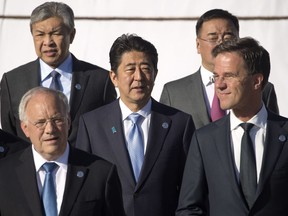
<point x="40" y="123"/>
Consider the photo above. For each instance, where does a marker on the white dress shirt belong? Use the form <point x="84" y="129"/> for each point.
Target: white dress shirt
<point x="59" y="174"/>
<point x="257" y="134"/>
<point x="144" y="123"/>
<point x="65" y="69"/>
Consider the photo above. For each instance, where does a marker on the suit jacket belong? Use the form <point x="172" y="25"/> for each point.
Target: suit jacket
<point x="96" y="192"/>
<point x="91" y="87"/>
<point x="210" y="173"/>
<point x="10" y="144"/>
<point x="157" y="190"/>
<point x="187" y="94"/>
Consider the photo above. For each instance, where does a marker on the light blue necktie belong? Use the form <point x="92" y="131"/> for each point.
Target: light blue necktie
<point x="55" y="83"/>
<point x="135" y="145"/>
<point x="49" y="193"/>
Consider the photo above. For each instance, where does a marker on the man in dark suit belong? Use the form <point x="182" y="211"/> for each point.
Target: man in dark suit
<point x="83" y="184"/>
<point x="10" y="144"/>
<point x="86" y="86"/>
<point x="194" y="94"/>
<point x="151" y="180"/>
<point x="219" y="176"/>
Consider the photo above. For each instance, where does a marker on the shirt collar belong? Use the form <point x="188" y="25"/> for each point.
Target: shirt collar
<point x="206" y="76"/>
<point x="260" y="119"/>
<point x="145" y="111"/>
<point x="65" y="69"/>
<point x="62" y="161"/>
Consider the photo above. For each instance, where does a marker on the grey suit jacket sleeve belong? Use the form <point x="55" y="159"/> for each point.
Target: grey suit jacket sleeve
<point x="165" y="96"/>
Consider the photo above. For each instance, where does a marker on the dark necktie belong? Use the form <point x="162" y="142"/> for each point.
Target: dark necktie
<point x="49" y="193"/>
<point x="135" y="145"/>
<point x="248" y="173"/>
<point x="55" y="83"/>
<point x="216" y="111"/>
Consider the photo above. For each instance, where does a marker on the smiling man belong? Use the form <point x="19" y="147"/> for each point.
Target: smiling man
<point x="85" y="85"/>
<point x="149" y="152"/>
<point x="238" y="163"/>
<point x="80" y="183"/>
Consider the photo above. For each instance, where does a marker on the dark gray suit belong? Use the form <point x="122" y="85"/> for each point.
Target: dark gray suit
<point x="96" y="192"/>
<point x="156" y="193"/>
<point x="187" y="94"/>
<point x="91" y="88"/>
<point x="10" y="144"/>
<point x="209" y="173"/>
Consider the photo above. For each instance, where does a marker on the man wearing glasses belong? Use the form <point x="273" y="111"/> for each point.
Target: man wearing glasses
<point x="194" y="94"/>
<point x="52" y="177"/>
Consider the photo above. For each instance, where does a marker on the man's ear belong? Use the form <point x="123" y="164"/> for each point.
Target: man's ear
<point x="114" y="79"/>
<point x="198" y="46"/>
<point x="72" y="35"/>
<point x="24" y="128"/>
<point x="258" y="81"/>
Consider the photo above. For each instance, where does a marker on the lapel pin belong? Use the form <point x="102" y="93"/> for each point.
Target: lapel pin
<point x="282" y="138"/>
<point x="80" y="174"/>
<point x="113" y="130"/>
<point x="165" y="125"/>
<point x="2" y="149"/>
<point x="78" y="86"/>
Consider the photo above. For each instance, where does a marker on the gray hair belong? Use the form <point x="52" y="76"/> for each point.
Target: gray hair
<point x="53" y="9"/>
<point x="38" y="90"/>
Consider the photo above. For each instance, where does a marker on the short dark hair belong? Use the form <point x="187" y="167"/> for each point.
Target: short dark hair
<point x="216" y="14"/>
<point x="131" y="42"/>
<point x="256" y="58"/>
<point x="53" y="9"/>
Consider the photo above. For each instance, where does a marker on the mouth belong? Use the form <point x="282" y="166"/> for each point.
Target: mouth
<point x="50" y="53"/>
<point x="51" y="140"/>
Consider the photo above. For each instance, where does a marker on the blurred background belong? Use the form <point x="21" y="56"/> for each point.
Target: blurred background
<point x="168" y="24"/>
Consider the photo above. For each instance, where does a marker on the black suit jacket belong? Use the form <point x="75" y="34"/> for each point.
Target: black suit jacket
<point x="96" y="192"/>
<point x="187" y="94"/>
<point x="210" y="173"/>
<point x="91" y="87"/>
<point x="10" y="144"/>
<point x="157" y="190"/>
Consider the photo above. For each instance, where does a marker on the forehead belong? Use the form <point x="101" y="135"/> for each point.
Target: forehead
<point x="52" y="22"/>
<point x="43" y="103"/>
<point x="218" y="25"/>
<point x="134" y="57"/>
<point x="228" y="62"/>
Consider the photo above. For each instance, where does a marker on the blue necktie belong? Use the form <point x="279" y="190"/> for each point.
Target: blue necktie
<point x="49" y="193"/>
<point x="248" y="174"/>
<point x="55" y="83"/>
<point x="135" y="145"/>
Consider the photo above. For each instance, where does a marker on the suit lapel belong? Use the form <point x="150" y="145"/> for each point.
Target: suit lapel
<point x="115" y="133"/>
<point x="76" y="176"/>
<point x="223" y="146"/>
<point x="78" y="86"/>
<point x="276" y="137"/>
<point x="159" y="127"/>
<point x="27" y="177"/>
<point x="199" y="106"/>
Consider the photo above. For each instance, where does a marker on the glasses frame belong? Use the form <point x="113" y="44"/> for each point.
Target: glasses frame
<point x="56" y="121"/>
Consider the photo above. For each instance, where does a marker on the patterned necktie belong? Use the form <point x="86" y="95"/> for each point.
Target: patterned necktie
<point x="248" y="173"/>
<point x="135" y="145"/>
<point x="216" y="111"/>
<point x="49" y="193"/>
<point x="55" y="83"/>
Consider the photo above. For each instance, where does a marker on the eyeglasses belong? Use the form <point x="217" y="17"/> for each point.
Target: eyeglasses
<point x="217" y="39"/>
<point x="56" y="121"/>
